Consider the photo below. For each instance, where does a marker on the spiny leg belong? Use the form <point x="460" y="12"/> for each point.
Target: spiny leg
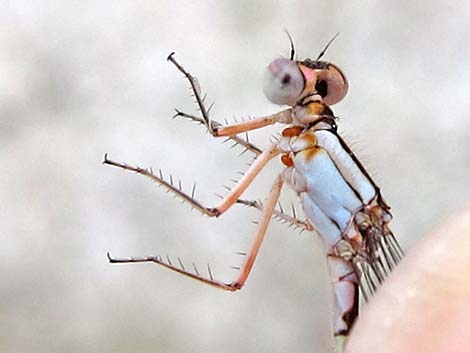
<point x="367" y="282"/>
<point x="218" y="130"/>
<point x="182" y="270"/>
<point x="231" y="131"/>
<point x="268" y="209"/>
<point x="232" y="197"/>
<point x="196" y="91"/>
<point x="244" y="142"/>
<point x="284" y="116"/>
<point x="169" y="185"/>
<point x="280" y="215"/>
<point x="250" y="258"/>
<point x="394" y="247"/>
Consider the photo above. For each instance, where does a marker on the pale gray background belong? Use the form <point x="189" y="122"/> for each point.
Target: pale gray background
<point x="78" y="79"/>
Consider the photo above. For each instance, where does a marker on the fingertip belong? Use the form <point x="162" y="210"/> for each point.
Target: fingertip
<point x="423" y="305"/>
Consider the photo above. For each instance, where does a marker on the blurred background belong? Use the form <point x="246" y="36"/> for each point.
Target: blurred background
<point x="78" y="79"/>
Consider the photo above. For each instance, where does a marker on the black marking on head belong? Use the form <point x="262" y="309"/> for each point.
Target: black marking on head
<point x="315" y="64"/>
<point x="322" y="88"/>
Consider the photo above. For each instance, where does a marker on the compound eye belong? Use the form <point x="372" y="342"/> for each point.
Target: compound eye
<point x="332" y="84"/>
<point x="283" y="82"/>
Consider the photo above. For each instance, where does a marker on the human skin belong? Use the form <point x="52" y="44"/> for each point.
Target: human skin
<point x="424" y="306"/>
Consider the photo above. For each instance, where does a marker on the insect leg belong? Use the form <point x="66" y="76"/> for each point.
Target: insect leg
<point x="279" y="215"/>
<point x="246" y="179"/>
<point x="215" y="125"/>
<point x="262" y="227"/>
<point x="284" y="116"/>
<point x="167" y="263"/>
<point x="250" y="258"/>
<point x="232" y="197"/>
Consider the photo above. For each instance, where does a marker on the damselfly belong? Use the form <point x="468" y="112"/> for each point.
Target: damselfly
<point x="342" y="203"/>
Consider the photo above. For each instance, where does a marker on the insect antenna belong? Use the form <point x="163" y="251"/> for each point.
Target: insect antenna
<point x="292" y="48"/>
<point x="327" y="45"/>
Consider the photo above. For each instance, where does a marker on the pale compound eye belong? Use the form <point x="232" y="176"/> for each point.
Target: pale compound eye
<point x="283" y="82"/>
<point x="331" y="84"/>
